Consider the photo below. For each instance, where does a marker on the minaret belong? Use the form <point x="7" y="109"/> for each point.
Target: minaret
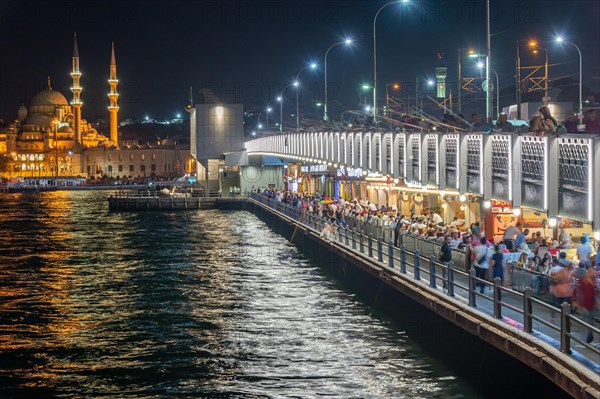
<point x="440" y="76"/>
<point x="113" y="96"/>
<point x="76" y="90"/>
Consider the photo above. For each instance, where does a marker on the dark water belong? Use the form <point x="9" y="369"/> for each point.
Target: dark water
<point x="189" y="304"/>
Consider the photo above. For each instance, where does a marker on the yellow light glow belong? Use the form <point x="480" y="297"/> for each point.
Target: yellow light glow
<point x="219" y="111"/>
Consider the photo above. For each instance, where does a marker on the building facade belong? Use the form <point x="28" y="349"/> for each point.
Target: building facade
<point x="51" y="139"/>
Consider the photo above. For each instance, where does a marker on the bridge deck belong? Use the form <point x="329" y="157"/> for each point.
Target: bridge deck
<point x="583" y="360"/>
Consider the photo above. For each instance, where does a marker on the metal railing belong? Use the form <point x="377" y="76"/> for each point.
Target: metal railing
<point x="521" y="307"/>
<point x="129" y="194"/>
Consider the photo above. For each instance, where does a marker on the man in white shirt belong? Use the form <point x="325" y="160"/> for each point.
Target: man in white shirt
<point x="437" y="219"/>
<point x="585" y="250"/>
<point x="510" y="234"/>
<point x="482" y="262"/>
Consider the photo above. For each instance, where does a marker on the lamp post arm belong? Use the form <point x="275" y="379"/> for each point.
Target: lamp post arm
<point x="325" y="115"/>
<point x="375" y="57"/>
<point x="281" y="108"/>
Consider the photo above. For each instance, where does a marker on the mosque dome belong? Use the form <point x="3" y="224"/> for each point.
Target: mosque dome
<point x="65" y="129"/>
<point x="39" y="120"/>
<point x="49" y="97"/>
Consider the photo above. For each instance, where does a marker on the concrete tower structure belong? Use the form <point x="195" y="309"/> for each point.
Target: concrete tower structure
<point x="440" y="76"/>
<point x="76" y="90"/>
<point x="113" y="96"/>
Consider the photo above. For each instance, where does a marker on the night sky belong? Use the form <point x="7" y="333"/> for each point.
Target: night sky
<point x="246" y="51"/>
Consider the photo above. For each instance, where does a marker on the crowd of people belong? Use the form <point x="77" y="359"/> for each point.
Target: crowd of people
<point x="576" y="283"/>
<point x="540" y="124"/>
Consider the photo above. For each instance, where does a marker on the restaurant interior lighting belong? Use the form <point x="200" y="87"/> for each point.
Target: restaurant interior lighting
<point x="552" y="222"/>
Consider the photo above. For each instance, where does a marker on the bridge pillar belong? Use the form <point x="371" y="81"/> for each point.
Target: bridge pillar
<point x="417" y="265"/>
<point x="403" y="259"/>
<point x="450" y="278"/>
<point x="432" y="279"/>
<point x="472" y="287"/>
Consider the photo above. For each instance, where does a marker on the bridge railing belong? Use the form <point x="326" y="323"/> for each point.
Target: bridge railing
<point x="499" y="301"/>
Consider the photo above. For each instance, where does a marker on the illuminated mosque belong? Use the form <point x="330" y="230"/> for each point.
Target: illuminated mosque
<point x="51" y="139"/>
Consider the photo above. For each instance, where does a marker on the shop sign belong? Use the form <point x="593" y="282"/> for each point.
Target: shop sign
<point x="314" y="168"/>
<point x="499" y="206"/>
<point x="414" y="184"/>
<point x="354" y="172"/>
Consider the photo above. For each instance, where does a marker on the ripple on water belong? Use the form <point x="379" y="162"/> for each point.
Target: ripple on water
<point x="174" y="304"/>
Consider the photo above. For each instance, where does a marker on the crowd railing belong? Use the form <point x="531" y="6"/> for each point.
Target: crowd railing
<point x="499" y="300"/>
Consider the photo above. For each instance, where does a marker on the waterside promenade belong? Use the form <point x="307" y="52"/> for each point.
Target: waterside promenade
<point x="514" y="322"/>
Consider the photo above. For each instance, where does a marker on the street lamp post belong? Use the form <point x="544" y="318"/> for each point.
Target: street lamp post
<point x="481" y="65"/>
<point x="488" y="60"/>
<point x="311" y="66"/>
<point x="367" y="87"/>
<point x="267" y="125"/>
<point x="375" y="56"/>
<point x="347" y="42"/>
<point x="280" y="99"/>
<point x="561" y="40"/>
<point x="518" y="78"/>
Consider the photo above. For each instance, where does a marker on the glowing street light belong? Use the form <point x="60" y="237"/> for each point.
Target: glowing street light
<point x="536" y="49"/>
<point x="346" y="42"/>
<point x="280" y="99"/>
<point x="375" y="54"/>
<point x="311" y="66"/>
<point x="481" y="65"/>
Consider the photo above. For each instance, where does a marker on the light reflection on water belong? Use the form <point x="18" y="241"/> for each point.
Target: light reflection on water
<point x="194" y="303"/>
